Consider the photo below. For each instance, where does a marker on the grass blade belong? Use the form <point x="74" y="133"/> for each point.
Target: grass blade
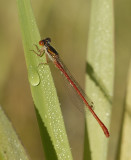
<point x="125" y="142"/>
<point x="100" y="73"/>
<point x="10" y="145"/>
<point x="42" y="86"/>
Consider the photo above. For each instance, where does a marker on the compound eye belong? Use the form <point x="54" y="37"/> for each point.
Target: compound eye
<point x="41" y="43"/>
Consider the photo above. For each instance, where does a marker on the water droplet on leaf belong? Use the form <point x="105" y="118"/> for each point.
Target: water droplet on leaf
<point x="34" y="78"/>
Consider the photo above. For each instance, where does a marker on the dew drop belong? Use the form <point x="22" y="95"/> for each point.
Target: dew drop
<point x="34" y="78"/>
<point x="107" y="114"/>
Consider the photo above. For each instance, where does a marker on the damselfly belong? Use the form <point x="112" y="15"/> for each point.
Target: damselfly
<point x="54" y="57"/>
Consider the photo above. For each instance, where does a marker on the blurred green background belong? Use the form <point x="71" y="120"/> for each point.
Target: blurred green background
<point x="67" y="23"/>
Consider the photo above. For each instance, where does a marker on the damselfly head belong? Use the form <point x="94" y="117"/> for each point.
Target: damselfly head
<point x="41" y="43"/>
<point x="44" y="41"/>
<point x="48" y="40"/>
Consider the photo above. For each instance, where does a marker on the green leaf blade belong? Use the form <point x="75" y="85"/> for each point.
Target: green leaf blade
<point x="100" y="69"/>
<point x="10" y="145"/>
<point x="125" y="141"/>
<point x="42" y="85"/>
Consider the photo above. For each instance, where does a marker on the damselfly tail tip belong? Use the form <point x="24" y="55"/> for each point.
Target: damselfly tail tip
<point x="106" y="132"/>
